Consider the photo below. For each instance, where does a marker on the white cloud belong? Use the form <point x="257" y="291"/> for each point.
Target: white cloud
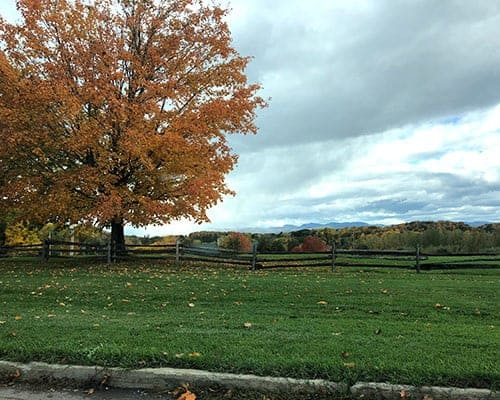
<point x="416" y="172"/>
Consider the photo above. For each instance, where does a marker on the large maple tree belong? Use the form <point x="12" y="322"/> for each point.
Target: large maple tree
<point x="118" y="111"/>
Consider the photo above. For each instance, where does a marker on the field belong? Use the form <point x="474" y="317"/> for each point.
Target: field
<point x="358" y="324"/>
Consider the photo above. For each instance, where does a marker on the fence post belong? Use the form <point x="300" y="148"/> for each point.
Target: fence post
<point x="72" y="245"/>
<point x="109" y="252"/>
<point x="45" y="250"/>
<point x="177" y="251"/>
<point x="417" y="259"/>
<point x="334" y="267"/>
<point x="254" y="256"/>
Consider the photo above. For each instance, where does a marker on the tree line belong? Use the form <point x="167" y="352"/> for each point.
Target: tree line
<point x="442" y="237"/>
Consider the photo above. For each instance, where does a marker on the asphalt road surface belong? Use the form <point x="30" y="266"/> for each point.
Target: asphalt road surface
<point x="24" y="392"/>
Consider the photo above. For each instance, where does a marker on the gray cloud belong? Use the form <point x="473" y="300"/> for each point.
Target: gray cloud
<point x="364" y="67"/>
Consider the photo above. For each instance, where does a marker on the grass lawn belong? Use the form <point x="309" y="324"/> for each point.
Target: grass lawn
<point x="437" y="327"/>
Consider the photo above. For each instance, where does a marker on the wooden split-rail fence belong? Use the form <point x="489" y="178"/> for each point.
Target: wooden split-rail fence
<point x="255" y="260"/>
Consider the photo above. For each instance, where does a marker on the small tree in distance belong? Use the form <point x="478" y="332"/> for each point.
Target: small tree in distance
<point x="236" y="241"/>
<point x="117" y="111"/>
<point x="312" y="244"/>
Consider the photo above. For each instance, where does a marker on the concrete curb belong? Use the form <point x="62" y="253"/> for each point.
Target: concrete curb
<point x="171" y="378"/>
<point x="385" y="391"/>
<point x="164" y="378"/>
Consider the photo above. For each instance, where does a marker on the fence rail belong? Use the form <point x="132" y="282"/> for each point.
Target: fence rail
<point x="333" y="259"/>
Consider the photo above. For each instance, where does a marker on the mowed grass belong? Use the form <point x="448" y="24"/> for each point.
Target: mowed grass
<point x="437" y="327"/>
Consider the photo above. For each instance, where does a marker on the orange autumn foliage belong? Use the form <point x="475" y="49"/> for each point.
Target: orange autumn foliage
<point x="117" y="111"/>
<point x="312" y="244"/>
<point x="236" y="241"/>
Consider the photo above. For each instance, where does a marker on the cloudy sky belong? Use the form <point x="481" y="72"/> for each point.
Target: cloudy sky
<point x="382" y="111"/>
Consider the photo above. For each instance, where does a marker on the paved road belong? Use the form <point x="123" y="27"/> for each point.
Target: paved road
<point x="23" y="392"/>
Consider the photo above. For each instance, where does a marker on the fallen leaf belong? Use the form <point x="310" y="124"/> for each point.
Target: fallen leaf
<point x="180" y="355"/>
<point x="15" y="374"/>
<point x="51" y="315"/>
<point x="345" y="354"/>
<point x="105" y="380"/>
<point x="437" y="305"/>
<point x="378" y="331"/>
<point x="349" y="364"/>
<point x="322" y="302"/>
<point x="90" y="391"/>
<point x="187" y="396"/>
<point x="18" y="318"/>
<point x="194" y="354"/>
<point x="404" y="394"/>
<point x="384" y="291"/>
<point x="191" y="305"/>
<point x="3" y="322"/>
<point x="62" y="304"/>
<point x="247" y="325"/>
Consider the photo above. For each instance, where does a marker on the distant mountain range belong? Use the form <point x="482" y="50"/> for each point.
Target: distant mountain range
<point x="334" y="225"/>
<point x="310" y="225"/>
<point x="478" y="223"/>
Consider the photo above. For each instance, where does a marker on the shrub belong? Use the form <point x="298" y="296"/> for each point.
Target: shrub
<point x="314" y="244"/>
<point x="236" y="241"/>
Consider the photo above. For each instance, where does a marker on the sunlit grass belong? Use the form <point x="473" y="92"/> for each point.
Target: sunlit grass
<point x="372" y="324"/>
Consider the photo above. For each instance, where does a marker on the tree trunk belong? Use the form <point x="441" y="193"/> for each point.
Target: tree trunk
<point x="118" y="235"/>
<point x="3" y="227"/>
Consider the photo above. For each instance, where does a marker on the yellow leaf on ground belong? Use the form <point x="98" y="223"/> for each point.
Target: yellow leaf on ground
<point x="247" y="324"/>
<point x="194" y="354"/>
<point x="323" y="303"/>
<point x="18" y="318"/>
